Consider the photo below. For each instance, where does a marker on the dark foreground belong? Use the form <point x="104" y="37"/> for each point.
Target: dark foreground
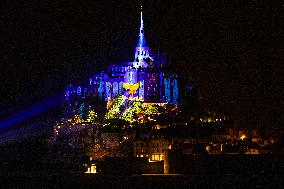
<point x="69" y="180"/>
<point x="210" y="172"/>
<point x="30" y="165"/>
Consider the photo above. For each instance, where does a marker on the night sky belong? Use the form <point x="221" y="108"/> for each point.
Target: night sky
<point x="234" y="52"/>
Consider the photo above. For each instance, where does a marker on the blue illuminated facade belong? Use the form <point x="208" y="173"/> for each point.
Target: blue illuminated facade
<point x="148" y="78"/>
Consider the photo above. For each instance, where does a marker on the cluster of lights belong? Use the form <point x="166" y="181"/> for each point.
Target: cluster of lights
<point x="209" y="120"/>
<point x="134" y="108"/>
<point x="127" y="109"/>
<point x="76" y="120"/>
<point x="114" y="106"/>
<point x="56" y="129"/>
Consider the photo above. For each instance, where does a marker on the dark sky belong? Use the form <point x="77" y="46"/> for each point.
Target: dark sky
<point x="234" y="52"/>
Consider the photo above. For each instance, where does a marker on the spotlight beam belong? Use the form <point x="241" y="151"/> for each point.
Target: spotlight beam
<point x="30" y="112"/>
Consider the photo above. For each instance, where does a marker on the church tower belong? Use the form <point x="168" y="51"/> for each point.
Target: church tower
<point x="142" y="49"/>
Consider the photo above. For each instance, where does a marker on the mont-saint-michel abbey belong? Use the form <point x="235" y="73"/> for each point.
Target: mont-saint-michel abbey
<point x="109" y="109"/>
<point x="170" y="94"/>
<point x="147" y="78"/>
<point x="145" y="112"/>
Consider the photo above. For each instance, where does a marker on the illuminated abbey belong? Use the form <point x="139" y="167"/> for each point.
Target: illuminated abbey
<point x="147" y="79"/>
<point x="131" y="110"/>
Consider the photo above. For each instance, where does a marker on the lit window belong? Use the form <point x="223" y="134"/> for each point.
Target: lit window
<point x="92" y="169"/>
<point x="156" y="157"/>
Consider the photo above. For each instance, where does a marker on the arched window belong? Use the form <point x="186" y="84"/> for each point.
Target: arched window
<point x="79" y="90"/>
<point x="115" y="89"/>
<point x="120" y="88"/>
<point x="108" y="91"/>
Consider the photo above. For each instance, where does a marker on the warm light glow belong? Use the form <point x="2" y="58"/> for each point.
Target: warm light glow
<point x="92" y="169"/>
<point x="243" y="137"/>
<point x="157" y="157"/>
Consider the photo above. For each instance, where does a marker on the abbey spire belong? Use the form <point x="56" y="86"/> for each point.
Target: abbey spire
<point x="142" y="41"/>
<point x="142" y="50"/>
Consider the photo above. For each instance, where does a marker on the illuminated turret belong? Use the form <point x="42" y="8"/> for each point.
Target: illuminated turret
<point x="142" y="50"/>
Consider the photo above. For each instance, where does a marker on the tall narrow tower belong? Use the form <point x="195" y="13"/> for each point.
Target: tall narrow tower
<point x="142" y="50"/>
